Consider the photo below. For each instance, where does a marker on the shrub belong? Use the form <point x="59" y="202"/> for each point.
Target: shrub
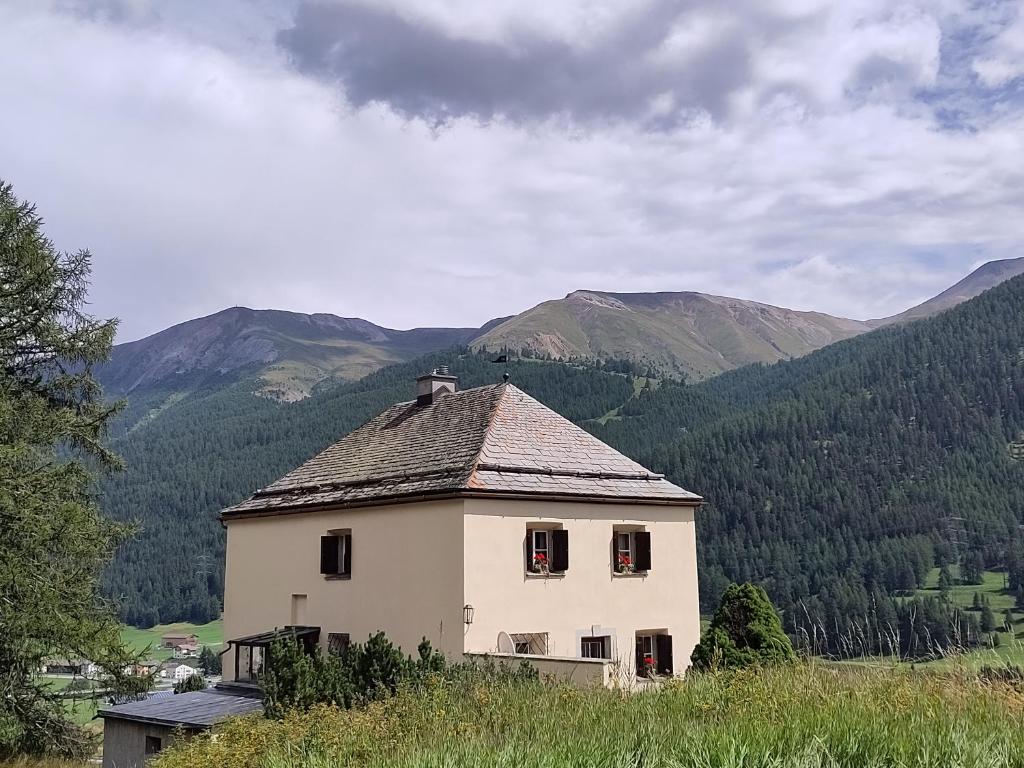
<point x="745" y="630"/>
<point x="191" y="683"/>
<point x="364" y="672"/>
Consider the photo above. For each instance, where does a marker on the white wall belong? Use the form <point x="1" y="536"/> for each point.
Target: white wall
<point x="406" y="575"/>
<point x="589" y="598"/>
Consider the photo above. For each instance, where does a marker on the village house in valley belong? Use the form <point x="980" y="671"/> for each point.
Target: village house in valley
<point x="481" y="520"/>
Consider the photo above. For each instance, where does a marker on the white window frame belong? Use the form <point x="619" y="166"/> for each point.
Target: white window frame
<point x="545" y="550"/>
<point x="619" y="551"/>
<point x="605" y="642"/>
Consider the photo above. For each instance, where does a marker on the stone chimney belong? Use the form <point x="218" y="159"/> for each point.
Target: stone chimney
<point x="435" y="384"/>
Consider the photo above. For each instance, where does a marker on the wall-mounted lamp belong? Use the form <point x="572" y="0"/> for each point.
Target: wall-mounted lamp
<point x="467" y="614"/>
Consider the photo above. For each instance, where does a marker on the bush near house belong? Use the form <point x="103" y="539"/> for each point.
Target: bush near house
<point x="364" y="672"/>
<point x="792" y="715"/>
<point x="744" y="631"/>
<point x="190" y="684"/>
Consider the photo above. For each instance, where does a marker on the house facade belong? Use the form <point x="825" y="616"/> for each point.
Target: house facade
<point x="177" y="672"/>
<point x="479" y="519"/>
<point x="180" y="643"/>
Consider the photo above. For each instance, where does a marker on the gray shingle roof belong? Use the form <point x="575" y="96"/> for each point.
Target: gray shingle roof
<point x="198" y="709"/>
<point x="494" y="439"/>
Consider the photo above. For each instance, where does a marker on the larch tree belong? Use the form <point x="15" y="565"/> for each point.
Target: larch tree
<point x="54" y="543"/>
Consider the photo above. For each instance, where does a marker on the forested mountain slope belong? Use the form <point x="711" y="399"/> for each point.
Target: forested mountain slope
<point x="839" y="475"/>
<point x="215" y="447"/>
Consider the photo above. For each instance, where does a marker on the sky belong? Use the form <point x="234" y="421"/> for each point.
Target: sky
<point x="444" y="162"/>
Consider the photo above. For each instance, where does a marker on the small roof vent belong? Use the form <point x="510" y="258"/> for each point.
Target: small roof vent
<point x="435" y="384"/>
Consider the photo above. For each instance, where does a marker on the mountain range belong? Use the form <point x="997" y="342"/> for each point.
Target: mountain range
<point x="683" y="334"/>
<point x="835" y="473"/>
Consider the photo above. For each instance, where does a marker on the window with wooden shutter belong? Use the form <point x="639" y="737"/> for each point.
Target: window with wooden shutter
<point x="646" y="655"/>
<point x="642" y="554"/>
<point x="543" y="547"/>
<point x="559" y="550"/>
<point x="329" y="555"/>
<point x="336" y="554"/>
<point x="664" y="659"/>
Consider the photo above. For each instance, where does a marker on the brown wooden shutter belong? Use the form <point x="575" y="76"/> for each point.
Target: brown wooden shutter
<point x="559" y="550"/>
<point x="664" y="645"/>
<point x="529" y="549"/>
<point x="642" y="556"/>
<point x="329" y="555"/>
<point x="346" y="566"/>
<point x="641" y="668"/>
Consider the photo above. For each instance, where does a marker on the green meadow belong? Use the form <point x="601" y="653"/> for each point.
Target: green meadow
<point x="211" y="634"/>
<point x="805" y="715"/>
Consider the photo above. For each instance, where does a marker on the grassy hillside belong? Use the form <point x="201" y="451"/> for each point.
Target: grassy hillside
<point x="691" y="334"/>
<point x="211" y="634"/>
<point x="288" y="353"/>
<point x="795" y="716"/>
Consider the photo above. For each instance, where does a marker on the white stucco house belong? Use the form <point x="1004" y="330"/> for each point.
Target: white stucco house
<point x="481" y="520"/>
<point x="177" y="672"/>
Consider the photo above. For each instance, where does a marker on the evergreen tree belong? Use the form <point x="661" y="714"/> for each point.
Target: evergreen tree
<point x="53" y="541"/>
<point x="973" y="568"/>
<point x="745" y="630"/>
<point x="190" y="684"/>
<point x="210" y="661"/>
<point x="945" y="580"/>
<point x="988" y="619"/>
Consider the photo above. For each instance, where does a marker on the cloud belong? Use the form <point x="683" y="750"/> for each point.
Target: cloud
<point x="422" y="69"/>
<point x="661" y="63"/>
<point x="205" y="166"/>
<point x="1003" y="61"/>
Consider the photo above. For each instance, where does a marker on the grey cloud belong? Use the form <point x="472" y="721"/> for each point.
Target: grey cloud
<point x="421" y="70"/>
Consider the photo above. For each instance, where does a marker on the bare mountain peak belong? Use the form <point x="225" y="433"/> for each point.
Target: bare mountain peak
<point x="988" y="275"/>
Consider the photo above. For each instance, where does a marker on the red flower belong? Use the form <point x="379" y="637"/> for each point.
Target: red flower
<point x="540" y="557"/>
<point x="624" y="559"/>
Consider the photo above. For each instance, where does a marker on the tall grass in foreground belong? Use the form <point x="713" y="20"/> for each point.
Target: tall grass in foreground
<point x="802" y="716"/>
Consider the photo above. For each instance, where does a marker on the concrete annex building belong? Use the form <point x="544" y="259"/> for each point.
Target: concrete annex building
<point x="481" y="520"/>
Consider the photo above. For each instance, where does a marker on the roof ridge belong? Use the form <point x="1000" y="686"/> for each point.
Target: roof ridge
<point x="487" y="432"/>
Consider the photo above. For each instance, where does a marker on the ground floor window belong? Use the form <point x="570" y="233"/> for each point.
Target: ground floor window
<point x="653" y="654"/>
<point x="337" y="643"/>
<point x="153" y="745"/>
<point x="252" y="653"/>
<point x="532" y="643"/>
<point x="646" y="655"/>
<point x="596" y="647"/>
